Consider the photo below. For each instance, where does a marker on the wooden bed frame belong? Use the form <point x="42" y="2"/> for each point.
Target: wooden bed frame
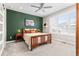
<point x="34" y="40"/>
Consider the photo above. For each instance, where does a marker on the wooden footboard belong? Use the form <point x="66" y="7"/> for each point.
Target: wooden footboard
<point x="35" y="43"/>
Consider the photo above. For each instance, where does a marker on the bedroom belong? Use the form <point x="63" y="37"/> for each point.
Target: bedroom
<point x="54" y="23"/>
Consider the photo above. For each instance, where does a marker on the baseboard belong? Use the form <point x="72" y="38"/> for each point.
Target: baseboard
<point x="10" y="41"/>
<point x="65" y="42"/>
<point x="2" y="49"/>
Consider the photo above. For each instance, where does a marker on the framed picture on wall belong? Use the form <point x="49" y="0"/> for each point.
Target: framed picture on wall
<point x="29" y="22"/>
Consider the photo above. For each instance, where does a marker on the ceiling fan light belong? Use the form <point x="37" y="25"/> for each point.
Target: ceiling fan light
<point x="48" y="7"/>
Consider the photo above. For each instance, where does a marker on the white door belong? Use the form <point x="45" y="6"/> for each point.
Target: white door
<point x="2" y="28"/>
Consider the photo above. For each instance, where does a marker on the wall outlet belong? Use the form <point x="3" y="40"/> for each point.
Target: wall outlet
<point x="10" y="37"/>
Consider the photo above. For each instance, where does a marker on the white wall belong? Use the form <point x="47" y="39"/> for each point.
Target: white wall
<point x="67" y="31"/>
<point x="2" y="28"/>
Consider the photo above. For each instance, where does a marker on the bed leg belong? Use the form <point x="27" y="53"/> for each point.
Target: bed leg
<point x="31" y="49"/>
<point x="50" y="38"/>
<point x="50" y="41"/>
<point x="31" y="45"/>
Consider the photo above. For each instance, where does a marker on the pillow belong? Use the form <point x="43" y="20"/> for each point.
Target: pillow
<point x="27" y="31"/>
<point x="33" y="31"/>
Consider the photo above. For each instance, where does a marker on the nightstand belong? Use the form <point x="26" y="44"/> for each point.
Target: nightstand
<point x="19" y="37"/>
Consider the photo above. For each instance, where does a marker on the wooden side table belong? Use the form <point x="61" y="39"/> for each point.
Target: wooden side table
<point x="19" y="37"/>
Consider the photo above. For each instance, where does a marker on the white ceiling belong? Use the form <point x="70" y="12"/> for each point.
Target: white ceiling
<point x="26" y="8"/>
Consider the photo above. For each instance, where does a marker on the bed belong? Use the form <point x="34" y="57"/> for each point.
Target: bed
<point x="34" y="39"/>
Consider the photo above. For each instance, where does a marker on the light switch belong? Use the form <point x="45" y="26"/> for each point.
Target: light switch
<point x="10" y="37"/>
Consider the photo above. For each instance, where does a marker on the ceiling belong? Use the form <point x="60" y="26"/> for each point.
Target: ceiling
<point x="26" y="8"/>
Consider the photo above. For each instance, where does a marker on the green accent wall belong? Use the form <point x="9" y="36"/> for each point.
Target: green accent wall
<point x="15" y="21"/>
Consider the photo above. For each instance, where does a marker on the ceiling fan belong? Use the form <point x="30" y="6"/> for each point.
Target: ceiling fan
<point x="41" y="7"/>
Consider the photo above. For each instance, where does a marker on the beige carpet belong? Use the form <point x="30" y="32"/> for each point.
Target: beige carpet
<point x="54" y="49"/>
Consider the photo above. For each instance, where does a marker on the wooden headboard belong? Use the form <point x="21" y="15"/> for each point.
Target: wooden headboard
<point x="29" y="30"/>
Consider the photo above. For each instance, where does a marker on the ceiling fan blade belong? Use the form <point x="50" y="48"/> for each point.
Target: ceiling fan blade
<point x="35" y="6"/>
<point x="41" y="5"/>
<point x="37" y="9"/>
<point x="48" y="7"/>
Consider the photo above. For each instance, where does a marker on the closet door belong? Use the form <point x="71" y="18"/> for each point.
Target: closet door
<point x="77" y="32"/>
<point x="2" y="28"/>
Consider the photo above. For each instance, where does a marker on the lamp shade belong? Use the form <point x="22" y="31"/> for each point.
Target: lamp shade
<point x="19" y="30"/>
